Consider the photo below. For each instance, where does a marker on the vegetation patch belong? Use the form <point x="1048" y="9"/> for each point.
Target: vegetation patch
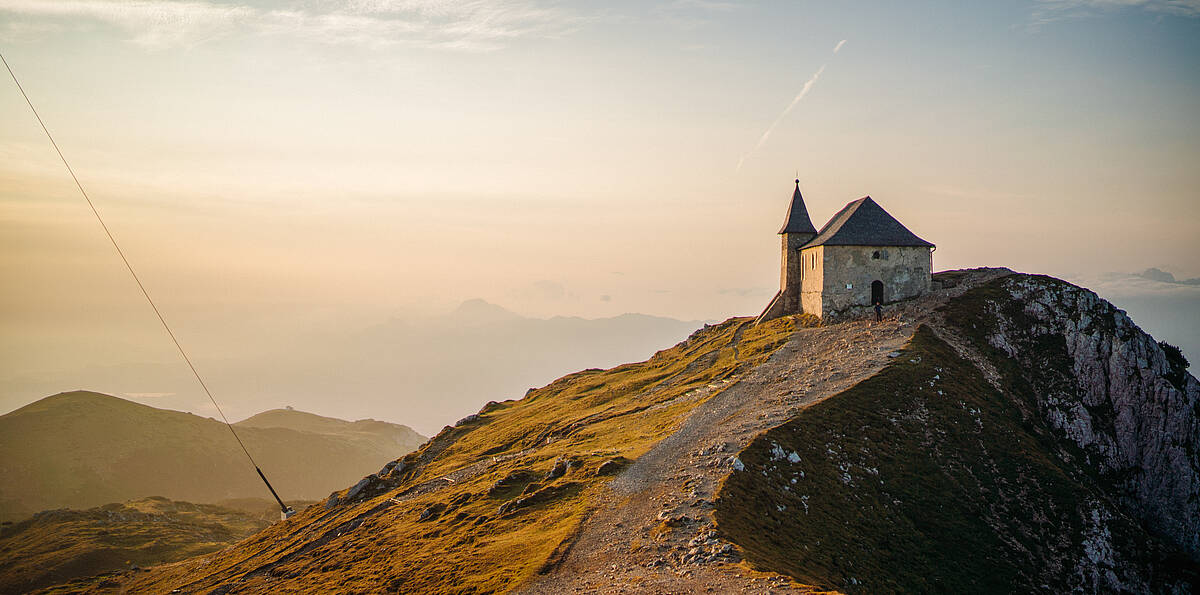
<point x="925" y="478"/>
<point x="545" y="495"/>
<point x="512" y="484"/>
<point x="543" y="457"/>
<point x="1178" y="363"/>
<point x="59" y="545"/>
<point x="612" y="466"/>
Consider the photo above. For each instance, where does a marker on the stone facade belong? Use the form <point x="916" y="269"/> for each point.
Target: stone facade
<point x="862" y="256"/>
<point x="843" y="276"/>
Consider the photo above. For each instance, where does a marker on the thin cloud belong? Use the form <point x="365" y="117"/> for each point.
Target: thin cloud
<point x="150" y="22"/>
<point x="787" y="110"/>
<point x="1048" y="11"/>
<point x="692" y="14"/>
<point x="478" y="25"/>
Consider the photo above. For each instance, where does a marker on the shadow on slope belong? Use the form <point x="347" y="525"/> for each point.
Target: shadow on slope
<point x="925" y="478"/>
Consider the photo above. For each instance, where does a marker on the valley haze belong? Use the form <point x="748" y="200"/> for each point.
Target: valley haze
<point x="285" y="175"/>
<point x="425" y="372"/>
<point x="530" y="246"/>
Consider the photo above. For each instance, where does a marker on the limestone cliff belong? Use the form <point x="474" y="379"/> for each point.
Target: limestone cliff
<point x="1029" y="438"/>
<point x="1109" y="388"/>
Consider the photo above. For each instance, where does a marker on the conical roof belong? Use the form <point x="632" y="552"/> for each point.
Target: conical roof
<point x="797" y="216"/>
<point x="865" y="223"/>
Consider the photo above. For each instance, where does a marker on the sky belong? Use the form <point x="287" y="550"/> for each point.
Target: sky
<point x="277" y="171"/>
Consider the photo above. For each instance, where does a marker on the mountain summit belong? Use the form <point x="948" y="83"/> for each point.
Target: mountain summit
<point x="1002" y="433"/>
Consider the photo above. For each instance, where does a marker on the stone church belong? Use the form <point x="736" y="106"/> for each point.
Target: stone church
<point x="861" y="257"/>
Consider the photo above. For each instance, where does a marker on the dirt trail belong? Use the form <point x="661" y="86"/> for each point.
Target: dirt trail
<point x="653" y="531"/>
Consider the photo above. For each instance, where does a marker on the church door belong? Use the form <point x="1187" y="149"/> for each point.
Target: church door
<point x="876" y="292"/>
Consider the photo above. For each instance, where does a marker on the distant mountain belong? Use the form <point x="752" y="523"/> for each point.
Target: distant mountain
<point x="1004" y="433"/>
<point x="83" y="449"/>
<point x="476" y="311"/>
<point x="433" y="371"/>
<point x="60" y="545"/>
<point x="427" y="371"/>
<point x="404" y="438"/>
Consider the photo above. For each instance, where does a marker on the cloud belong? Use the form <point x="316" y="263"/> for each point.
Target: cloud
<point x="149" y="22"/>
<point x="1165" y="309"/>
<point x="787" y="110"/>
<point x="691" y="14"/>
<point x="762" y="140"/>
<point x="478" y="25"/>
<point x="1149" y="282"/>
<point x="1157" y="274"/>
<point x="1048" y="11"/>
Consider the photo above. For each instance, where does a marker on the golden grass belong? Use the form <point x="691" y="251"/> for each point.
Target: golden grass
<point x="465" y="544"/>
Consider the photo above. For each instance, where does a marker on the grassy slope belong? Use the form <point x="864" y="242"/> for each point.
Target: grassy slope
<point x="84" y="449"/>
<point x="926" y="478"/>
<point x="56" y="546"/>
<point x="369" y="429"/>
<point x="455" y="538"/>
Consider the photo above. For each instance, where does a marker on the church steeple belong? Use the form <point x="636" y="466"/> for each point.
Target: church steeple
<point x="797" y="220"/>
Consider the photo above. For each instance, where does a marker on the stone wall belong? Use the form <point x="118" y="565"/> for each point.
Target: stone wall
<point x="848" y="271"/>
<point x="790" y="273"/>
<point x="813" y="279"/>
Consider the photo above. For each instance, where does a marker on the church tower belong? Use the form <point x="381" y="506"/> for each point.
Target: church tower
<point x="797" y="231"/>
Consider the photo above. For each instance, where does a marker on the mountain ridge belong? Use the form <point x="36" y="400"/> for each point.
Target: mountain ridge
<point x="82" y="449"/>
<point x="676" y="473"/>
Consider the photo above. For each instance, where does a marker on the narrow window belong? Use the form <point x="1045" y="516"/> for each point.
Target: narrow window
<point x="875" y="255"/>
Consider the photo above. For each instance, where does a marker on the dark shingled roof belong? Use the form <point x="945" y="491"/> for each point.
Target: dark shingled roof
<point x="865" y="223"/>
<point x="797" y="216"/>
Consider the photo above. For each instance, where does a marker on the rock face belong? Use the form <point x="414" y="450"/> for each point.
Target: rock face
<point x="1029" y="438"/>
<point x="1105" y="385"/>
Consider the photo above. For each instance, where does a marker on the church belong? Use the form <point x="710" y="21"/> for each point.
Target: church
<point x="861" y="257"/>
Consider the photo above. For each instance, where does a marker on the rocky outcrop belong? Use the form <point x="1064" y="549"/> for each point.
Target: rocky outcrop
<point x="1106" y="387"/>
<point x="1029" y="438"/>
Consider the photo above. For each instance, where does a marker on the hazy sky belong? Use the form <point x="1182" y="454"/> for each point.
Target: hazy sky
<point x="278" y="169"/>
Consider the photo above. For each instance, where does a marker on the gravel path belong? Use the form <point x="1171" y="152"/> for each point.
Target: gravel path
<point x="653" y="531"/>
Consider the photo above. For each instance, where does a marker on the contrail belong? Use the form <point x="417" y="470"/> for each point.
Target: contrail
<point x="803" y="91"/>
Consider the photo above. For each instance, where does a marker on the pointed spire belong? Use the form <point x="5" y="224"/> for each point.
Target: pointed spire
<point x="797" y="220"/>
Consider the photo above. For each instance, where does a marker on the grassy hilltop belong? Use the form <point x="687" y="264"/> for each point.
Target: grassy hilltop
<point x="485" y="505"/>
<point x="82" y="449"/>
<point x="1004" y="433"/>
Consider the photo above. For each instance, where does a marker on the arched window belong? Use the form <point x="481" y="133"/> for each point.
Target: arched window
<point x="875" y="255"/>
